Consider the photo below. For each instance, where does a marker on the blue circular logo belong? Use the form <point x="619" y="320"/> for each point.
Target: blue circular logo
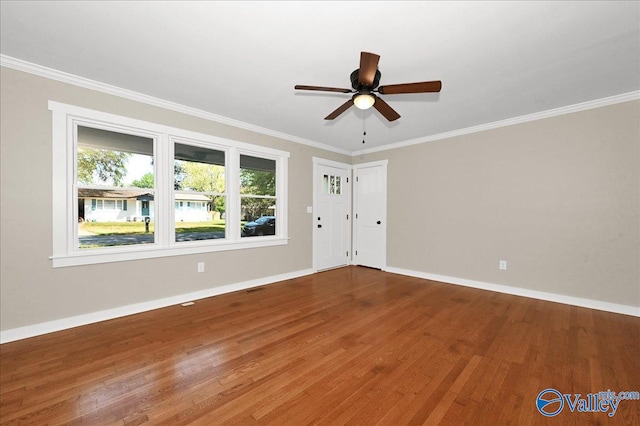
<point x="547" y="400"/>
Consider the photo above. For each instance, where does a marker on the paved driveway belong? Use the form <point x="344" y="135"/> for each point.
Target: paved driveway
<point x="123" y="240"/>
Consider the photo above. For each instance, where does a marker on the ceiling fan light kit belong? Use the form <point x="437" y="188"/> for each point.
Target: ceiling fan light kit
<point x="364" y="101"/>
<point x="364" y="82"/>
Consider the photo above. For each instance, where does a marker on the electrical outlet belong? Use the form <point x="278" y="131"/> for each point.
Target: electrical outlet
<point x="200" y="266"/>
<point x="503" y="265"/>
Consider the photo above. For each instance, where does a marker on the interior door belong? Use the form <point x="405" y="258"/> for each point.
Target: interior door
<point x="370" y="226"/>
<point x="331" y="216"/>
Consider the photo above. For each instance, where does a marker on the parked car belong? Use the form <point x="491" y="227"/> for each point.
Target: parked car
<point x="264" y="225"/>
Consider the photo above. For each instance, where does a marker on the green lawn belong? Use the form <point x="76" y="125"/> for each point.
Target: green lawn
<point x="131" y="228"/>
<point x="211" y="226"/>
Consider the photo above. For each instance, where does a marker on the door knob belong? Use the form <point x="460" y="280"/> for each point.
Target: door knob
<point x="378" y="222"/>
<point x="319" y="226"/>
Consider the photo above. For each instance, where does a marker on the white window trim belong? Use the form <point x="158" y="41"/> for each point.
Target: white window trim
<point x="65" y="235"/>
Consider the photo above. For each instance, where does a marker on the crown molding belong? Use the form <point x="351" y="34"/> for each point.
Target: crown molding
<point x="625" y="97"/>
<point x="64" y="77"/>
<point x="31" y="68"/>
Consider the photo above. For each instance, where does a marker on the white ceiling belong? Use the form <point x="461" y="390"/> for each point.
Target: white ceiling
<point x="241" y="60"/>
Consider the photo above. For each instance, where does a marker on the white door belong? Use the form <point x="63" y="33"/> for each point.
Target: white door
<point x="370" y="226"/>
<point x="331" y="216"/>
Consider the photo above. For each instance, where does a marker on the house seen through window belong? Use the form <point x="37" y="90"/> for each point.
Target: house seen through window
<point x="115" y="187"/>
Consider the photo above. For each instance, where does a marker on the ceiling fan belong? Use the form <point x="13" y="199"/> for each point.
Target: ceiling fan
<point x="364" y="82"/>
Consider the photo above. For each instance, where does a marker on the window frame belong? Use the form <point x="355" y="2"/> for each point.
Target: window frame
<point x="279" y="205"/>
<point x="66" y="118"/>
<point x="173" y="140"/>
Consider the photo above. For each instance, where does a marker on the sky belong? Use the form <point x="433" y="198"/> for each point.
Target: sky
<point x="137" y="166"/>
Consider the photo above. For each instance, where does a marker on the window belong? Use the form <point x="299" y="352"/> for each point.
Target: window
<point x="332" y="185"/>
<point x="97" y="204"/>
<point x="200" y="187"/>
<point x="128" y="189"/>
<point x="110" y="168"/>
<point x="258" y="199"/>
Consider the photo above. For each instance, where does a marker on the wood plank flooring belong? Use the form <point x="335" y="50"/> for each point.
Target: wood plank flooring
<point x="348" y="346"/>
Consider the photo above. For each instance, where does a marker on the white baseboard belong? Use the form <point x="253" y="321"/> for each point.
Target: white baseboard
<point x="93" y="317"/>
<point x="516" y="291"/>
<point x="79" y="320"/>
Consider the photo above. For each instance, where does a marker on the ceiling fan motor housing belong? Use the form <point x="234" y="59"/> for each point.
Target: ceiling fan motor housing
<point x="362" y="88"/>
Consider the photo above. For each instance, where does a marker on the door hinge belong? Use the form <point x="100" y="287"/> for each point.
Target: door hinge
<point x="347" y="217"/>
<point x="347" y="254"/>
<point x="356" y="252"/>
<point x="347" y="180"/>
<point x="356" y="178"/>
<point x="356" y="215"/>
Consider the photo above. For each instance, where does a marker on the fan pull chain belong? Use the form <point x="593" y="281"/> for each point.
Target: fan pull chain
<point x="364" y="128"/>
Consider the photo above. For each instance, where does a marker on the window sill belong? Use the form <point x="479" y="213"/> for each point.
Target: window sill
<point x="117" y="254"/>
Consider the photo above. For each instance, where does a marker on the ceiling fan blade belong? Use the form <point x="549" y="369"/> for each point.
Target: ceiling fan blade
<point x="323" y="89"/>
<point x="345" y="106"/>
<point x="368" y="68"/>
<point x="423" y="87"/>
<point x="384" y="109"/>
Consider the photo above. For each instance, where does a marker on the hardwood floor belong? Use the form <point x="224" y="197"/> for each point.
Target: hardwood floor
<point x="347" y="346"/>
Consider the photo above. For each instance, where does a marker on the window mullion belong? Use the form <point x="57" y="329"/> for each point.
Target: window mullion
<point x="72" y="190"/>
<point x="233" y="194"/>
<point x="282" y="180"/>
<point x="162" y="196"/>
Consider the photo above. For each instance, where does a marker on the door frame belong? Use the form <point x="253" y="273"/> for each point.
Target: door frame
<point x="354" y="227"/>
<point x="318" y="161"/>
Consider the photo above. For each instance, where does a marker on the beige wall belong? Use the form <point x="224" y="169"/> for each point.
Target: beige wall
<point x="557" y="198"/>
<point x="32" y="292"/>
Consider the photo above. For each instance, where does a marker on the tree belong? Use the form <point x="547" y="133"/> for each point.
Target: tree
<point x="146" y="181"/>
<point x="257" y="182"/>
<point x="219" y="205"/>
<point x="253" y="208"/>
<point x="106" y="165"/>
<point x="204" y="177"/>
<point x="178" y="175"/>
